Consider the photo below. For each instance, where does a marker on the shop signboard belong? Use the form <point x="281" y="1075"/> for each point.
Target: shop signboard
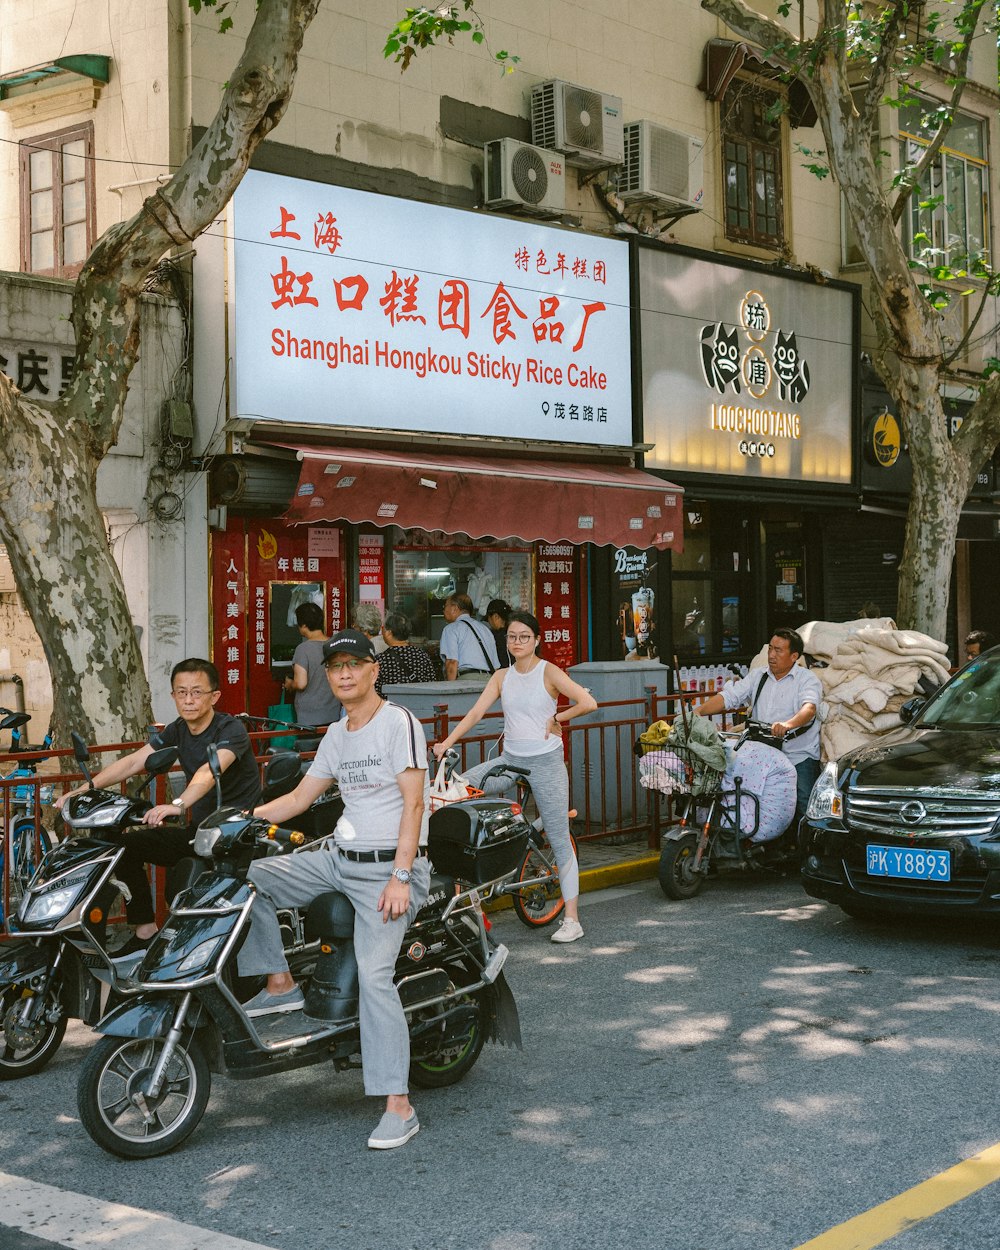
<point x="556" y="599"/>
<point x="745" y="373"/>
<point x="261" y="572"/>
<point x="634" y="603"/>
<point x="382" y="312"/>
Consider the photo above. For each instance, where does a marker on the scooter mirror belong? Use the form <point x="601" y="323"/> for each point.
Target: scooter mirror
<point x="82" y="756"/>
<point x="80" y="751"/>
<point x="212" y="752"/>
<point x="282" y="768"/>
<point x="161" y="761"/>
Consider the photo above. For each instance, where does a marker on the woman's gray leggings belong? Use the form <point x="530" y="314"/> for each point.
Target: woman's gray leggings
<point x="550" y="786"/>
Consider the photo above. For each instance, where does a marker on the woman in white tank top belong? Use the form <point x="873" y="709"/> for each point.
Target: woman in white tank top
<point x="532" y="739"/>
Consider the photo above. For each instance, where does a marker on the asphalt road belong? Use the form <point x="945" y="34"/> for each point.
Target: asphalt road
<point x="743" y="1071"/>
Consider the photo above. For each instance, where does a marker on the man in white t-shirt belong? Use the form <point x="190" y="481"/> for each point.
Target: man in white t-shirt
<point x="378" y="756"/>
<point x="786" y="696"/>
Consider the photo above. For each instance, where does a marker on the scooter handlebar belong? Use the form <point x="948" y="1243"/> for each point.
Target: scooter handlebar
<point x="284" y="837"/>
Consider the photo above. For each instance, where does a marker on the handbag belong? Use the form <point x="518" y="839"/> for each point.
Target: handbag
<point x="451" y="789"/>
<point x="283" y="712"/>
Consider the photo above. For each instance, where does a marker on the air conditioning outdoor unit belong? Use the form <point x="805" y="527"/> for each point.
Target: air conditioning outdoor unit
<point x="664" y="165"/>
<point x="584" y="124"/>
<point x="521" y="176"/>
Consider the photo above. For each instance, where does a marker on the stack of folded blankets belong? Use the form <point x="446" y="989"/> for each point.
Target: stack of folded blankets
<point x="872" y="669"/>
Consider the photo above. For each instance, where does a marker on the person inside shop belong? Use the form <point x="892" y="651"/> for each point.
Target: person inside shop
<point x="378" y="756"/>
<point x="315" y="703"/>
<point x="366" y="617"/>
<point x="497" y="617"/>
<point x="532" y="740"/>
<point x="194" y="684"/>
<point x="787" y="697"/>
<point x="977" y="642"/>
<point x="467" y="646"/>
<point x="401" y="662"/>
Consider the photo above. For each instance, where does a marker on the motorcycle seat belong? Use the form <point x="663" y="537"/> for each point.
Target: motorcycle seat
<point x="330" y="915"/>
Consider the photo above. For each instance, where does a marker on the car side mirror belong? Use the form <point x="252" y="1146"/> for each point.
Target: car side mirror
<point x="911" y="709"/>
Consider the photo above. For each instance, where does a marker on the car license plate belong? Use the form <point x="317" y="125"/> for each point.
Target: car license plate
<point x="905" y="861"/>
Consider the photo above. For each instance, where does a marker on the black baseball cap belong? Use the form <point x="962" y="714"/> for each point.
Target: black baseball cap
<point x="350" y="642"/>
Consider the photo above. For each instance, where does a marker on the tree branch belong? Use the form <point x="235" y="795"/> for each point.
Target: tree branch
<point x="761" y="30"/>
<point x="972" y="9"/>
<point x="253" y="103"/>
<point x="883" y="63"/>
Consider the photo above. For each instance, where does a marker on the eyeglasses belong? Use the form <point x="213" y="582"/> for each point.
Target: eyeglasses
<point x="520" y="637"/>
<point x="181" y="695"/>
<point x="352" y="666"/>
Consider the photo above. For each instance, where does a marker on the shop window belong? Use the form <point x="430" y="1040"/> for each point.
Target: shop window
<point x="423" y="577"/>
<point x="709" y="583"/>
<point x="751" y="163"/>
<point x="949" y="210"/>
<point x="57" y="201"/>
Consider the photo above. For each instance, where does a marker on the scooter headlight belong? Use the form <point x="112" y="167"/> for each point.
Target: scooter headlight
<point x="202" y="955"/>
<point x="109" y="814"/>
<point x="826" y="801"/>
<point x="53" y="903"/>
<point x="205" y="839"/>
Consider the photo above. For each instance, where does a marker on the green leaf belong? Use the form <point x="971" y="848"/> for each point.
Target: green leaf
<point x="478" y="36"/>
<point x="225" y="24"/>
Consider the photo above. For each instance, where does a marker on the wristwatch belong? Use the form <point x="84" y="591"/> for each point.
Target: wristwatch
<point x="179" y="804"/>
<point x="401" y="874"/>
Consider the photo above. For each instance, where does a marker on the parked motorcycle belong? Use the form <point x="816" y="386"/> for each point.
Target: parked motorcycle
<point x="145" y="1085"/>
<point x="62" y="969"/>
<point x="711" y="830"/>
<point x="22" y="828"/>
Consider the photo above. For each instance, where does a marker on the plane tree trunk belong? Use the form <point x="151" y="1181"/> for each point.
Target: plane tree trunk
<point x="50" y="453"/>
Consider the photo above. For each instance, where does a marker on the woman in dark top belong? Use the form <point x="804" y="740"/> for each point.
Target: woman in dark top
<point x="400" y="662"/>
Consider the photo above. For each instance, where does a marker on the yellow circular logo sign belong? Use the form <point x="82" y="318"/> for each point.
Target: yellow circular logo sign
<point x="886" y="440"/>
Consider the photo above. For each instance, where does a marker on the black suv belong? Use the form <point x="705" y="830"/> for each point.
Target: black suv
<point x="912" y="823"/>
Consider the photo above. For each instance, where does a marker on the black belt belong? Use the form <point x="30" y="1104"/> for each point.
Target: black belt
<point x="376" y="857"/>
<point x="463" y="671"/>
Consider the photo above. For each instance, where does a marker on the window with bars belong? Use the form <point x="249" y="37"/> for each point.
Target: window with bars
<point x="57" y="201"/>
<point x="751" y="153"/>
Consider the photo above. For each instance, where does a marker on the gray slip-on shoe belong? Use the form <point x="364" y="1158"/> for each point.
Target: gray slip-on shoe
<point x="267" y="1004"/>
<point x="393" y="1131"/>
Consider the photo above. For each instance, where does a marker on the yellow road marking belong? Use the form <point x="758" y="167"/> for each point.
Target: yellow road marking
<point x="877" y="1226"/>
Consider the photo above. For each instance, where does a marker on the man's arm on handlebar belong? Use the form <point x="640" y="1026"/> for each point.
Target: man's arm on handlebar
<point x="120" y="770"/>
<point x="285" y="806"/>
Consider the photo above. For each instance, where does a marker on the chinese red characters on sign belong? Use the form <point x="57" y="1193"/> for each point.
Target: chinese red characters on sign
<point x="261" y="571"/>
<point x="556" y="599"/>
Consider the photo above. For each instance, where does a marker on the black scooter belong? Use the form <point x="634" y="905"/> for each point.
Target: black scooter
<point x="144" y="1087"/>
<point x="62" y="970"/>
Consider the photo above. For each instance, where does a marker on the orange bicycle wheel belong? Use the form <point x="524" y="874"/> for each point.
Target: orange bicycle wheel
<point x="540" y="903"/>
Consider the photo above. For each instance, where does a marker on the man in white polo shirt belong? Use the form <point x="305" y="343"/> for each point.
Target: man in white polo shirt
<point x="786" y="696"/>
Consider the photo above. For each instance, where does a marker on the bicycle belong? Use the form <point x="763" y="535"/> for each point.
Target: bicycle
<point x="20" y="849"/>
<point x="534" y="891"/>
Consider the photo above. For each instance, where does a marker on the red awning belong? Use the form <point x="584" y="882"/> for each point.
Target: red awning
<point x="552" y="501"/>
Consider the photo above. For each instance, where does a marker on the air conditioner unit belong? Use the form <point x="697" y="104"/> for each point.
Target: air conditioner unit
<point x="584" y="124"/>
<point x="521" y="176"/>
<point x="662" y="164"/>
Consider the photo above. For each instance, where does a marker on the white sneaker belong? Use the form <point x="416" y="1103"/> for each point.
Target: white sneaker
<point x="568" y="931"/>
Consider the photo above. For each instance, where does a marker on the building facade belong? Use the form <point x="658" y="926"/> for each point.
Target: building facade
<point x="645" y="161"/>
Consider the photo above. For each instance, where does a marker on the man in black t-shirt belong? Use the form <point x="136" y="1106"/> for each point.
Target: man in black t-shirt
<point x="194" y="685"/>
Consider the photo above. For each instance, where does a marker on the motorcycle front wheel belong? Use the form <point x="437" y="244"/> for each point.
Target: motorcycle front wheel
<point x="26" y="1049"/>
<point x="678" y="878"/>
<point x="113" y="1103"/>
<point x="540" y="904"/>
<point x="449" y="1062"/>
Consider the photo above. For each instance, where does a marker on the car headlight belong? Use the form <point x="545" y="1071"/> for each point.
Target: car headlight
<point x="52" y="904"/>
<point x="205" y="839"/>
<point x="201" y="956"/>
<point x="826" y="801"/>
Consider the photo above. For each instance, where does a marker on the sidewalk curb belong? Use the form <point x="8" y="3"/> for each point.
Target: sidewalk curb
<point x="601" y="878"/>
